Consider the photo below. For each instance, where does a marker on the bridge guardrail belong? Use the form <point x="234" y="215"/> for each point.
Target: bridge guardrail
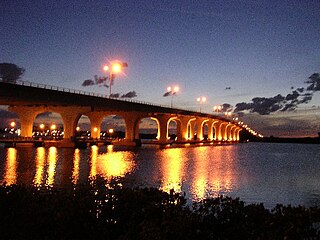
<point x="75" y="91"/>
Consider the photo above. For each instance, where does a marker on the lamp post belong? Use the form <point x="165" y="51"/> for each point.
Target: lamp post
<point x="113" y="69"/>
<point x="201" y="100"/>
<point x="172" y="91"/>
<point x="217" y="108"/>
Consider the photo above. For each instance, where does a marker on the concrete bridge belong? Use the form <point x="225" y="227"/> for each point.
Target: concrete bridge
<point x="30" y="99"/>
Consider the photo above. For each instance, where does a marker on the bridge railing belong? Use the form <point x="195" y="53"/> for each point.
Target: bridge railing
<point x="69" y="90"/>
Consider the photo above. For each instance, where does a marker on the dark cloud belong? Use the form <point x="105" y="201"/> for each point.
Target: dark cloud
<point x="314" y="81"/>
<point x="97" y="81"/>
<point x="115" y="95"/>
<point x="290" y="102"/>
<point x="87" y="82"/>
<point x="301" y="90"/>
<point x="292" y="96"/>
<point x="131" y="94"/>
<point x="167" y="94"/>
<point x="226" y="107"/>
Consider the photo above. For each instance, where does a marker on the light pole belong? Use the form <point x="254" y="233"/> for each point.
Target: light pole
<point x="172" y="91"/>
<point x="201" y="100"/>
<point x="217" y="108"/>
<point x="113" y="69"/>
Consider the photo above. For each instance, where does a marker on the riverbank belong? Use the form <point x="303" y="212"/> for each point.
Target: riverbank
<point x="100" y="210"/>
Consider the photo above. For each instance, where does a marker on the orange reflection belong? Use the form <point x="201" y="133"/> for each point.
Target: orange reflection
<point x="94" y="155"/>
<point x="40" y="162"/>
<point x="76" y="166"/>
<point x="52" y="158"/>
<point x="199" y="185"/>
<point x="172" y="167"/>
<point x="214" y="173"/>
<point x="10" y="176"/>
<point x="111" y="164"/>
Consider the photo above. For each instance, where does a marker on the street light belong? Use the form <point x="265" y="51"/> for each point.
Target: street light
<point x="172" y="91"/>
<point x="217" y="108"/>
<point x="113" y="69"/>
<point x="12" y="124"/>
<point x="110" y="132"/>
<point x="201" y="100"/>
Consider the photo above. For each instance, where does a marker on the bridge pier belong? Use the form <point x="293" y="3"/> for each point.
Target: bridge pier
<point x="96" y="119"/>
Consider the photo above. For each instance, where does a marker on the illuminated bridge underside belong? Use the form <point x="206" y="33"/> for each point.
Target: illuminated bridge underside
<point x="29" y="101"/>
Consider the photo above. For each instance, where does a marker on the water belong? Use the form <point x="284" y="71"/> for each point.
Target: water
<point x="255" y="172"/>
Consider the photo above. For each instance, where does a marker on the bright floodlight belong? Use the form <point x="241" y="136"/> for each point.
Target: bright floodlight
<point x="41" y="126"/>
<point x="176" y="89"/>
<point x="198" y="99"/>
<point x="169" y="89"/>
<point x="12" y="124"/>
<point x="53" y="127"/>
<point x="116" y="67"/>
<point x="203" y="99"/>
<point x="105" y="68"/>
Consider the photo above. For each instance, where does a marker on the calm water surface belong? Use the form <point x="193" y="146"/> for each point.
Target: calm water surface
<point x="255" y="172"/>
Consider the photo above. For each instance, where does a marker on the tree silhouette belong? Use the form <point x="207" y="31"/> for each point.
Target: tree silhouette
<point x="10" y="72"/>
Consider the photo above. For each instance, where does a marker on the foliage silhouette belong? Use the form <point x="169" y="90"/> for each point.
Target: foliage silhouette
<point x="107" y="210"/>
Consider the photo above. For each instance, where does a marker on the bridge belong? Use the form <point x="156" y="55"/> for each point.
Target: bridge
<point x="30" y="99"/>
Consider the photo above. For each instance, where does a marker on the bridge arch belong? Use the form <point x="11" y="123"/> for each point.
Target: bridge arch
<point x="82" y="126"/>
<point x="113" y="126"/>
<point x="48" y="124"/>
<point x="190" y="128"/>
<point x="176" y="126"/>
<point x="148" y="127"/>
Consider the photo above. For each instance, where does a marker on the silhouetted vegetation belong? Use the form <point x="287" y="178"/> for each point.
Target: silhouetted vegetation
<point x="10" y="72"/>
<point x="103" y="210"/>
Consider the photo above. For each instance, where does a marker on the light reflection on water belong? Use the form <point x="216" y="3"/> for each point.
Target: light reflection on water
<point x="10" y="176"/>
<point x="172" y="161"/>
<point x="110" y="164"/>
<point x="254" y="172"/>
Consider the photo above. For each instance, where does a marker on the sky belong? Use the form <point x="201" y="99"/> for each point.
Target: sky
<point x="229" y="51"/>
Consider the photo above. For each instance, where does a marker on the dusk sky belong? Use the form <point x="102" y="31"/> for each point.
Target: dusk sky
<point x="252" y="48"/>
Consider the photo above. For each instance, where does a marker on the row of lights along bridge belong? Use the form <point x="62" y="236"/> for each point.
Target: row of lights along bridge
<point x="116" y="67"/>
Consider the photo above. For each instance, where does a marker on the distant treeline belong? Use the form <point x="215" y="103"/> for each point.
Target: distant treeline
<point x="107" y="210"/>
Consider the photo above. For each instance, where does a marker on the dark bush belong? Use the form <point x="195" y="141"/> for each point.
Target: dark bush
<point x="103" y="210"/>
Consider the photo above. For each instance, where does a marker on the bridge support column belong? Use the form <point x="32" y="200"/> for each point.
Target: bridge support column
<point x="182" y="132"/>
<point x="237" y="134"/>
<point x="217" y="129"/>
<point x="96" y="119"/>
<point x="132" y="126"/>
<point x="228" y="132"/>
<point x="210" y="130"/>
<point x="223" y="129"/>
<point x="70" y="116"/>
<point x="163" y="125"/>
<point x="26" y="116"/>
<point x="200" y="122"/>
<point x="233" y="129"/>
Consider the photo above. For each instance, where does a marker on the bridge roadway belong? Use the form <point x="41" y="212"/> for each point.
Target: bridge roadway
<point x="30" y="99"/>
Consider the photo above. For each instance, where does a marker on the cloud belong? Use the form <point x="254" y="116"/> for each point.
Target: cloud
<point x="314" y="81"/>
<point x="87" y="82"/>
<point x="267" y="105"/>
<point x="115" y="95"/>
<point x="167" y="94"/>
<point x="130" y="94"/>
<point x="226" y="107"/>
